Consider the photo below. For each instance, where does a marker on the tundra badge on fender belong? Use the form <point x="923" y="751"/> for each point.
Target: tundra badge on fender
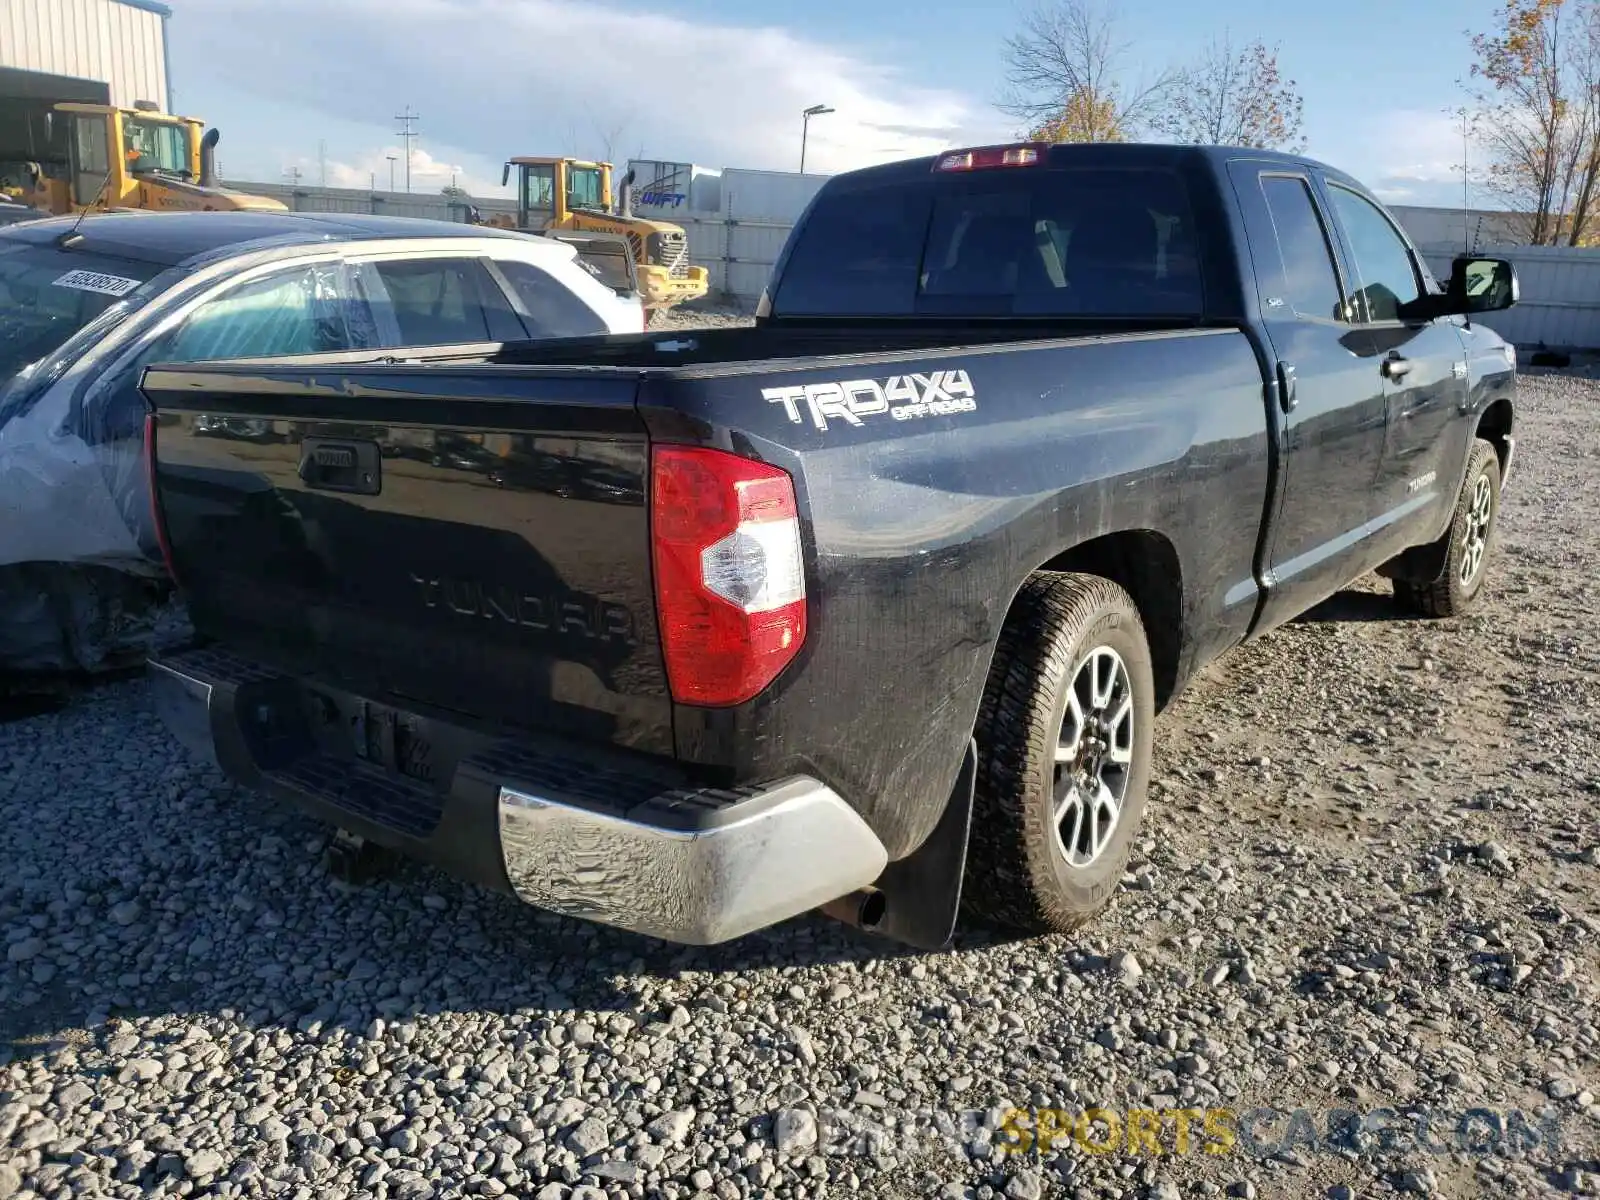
<point x="903" y="397"/>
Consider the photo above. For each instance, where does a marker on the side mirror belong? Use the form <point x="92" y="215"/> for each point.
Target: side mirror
<point x="1481" y="285"/>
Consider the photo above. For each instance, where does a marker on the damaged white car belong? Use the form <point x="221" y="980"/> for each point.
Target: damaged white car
<point x="86" y="305"/>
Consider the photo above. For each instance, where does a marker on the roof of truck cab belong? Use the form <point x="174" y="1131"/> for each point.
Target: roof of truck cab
<point x="1098" y="154"/>
<point x="170" y="239"/>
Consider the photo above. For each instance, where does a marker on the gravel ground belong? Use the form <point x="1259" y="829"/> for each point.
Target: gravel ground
<point x="1371" y="879"/>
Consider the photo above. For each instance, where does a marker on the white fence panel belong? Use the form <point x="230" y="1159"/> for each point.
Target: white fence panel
<point x="1559" y="306"/>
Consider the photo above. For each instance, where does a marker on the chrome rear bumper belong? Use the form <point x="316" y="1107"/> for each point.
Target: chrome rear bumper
<point x="768" y="856"/>
<point x="572" y="835"/>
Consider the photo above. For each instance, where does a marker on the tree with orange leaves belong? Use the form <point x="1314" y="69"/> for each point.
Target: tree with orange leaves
<point x="1540" y="124"/>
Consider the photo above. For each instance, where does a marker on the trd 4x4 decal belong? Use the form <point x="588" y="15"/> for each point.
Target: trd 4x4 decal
<point x="902" y="397"/>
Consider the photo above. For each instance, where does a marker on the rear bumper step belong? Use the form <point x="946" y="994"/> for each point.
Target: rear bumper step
<point x="589" y="836"/>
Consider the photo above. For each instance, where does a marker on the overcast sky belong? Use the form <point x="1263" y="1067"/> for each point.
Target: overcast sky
<point x="722" y="82"/>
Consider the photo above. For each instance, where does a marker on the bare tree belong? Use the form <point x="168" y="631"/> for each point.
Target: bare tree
<point x="1065" y="75"/>
<point x="1235" y="96"/>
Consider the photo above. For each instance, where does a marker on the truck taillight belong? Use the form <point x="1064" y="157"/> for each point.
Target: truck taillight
<point x="155" y="502"/>
<point x="730" y="578"/>
<point x="1029" y="154"/>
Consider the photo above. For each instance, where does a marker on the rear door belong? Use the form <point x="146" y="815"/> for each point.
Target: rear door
<point x="1330" y="391"/>
<point x="1424" y="369"/>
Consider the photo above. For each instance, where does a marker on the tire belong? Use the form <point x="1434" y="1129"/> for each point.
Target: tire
<point x="1019" y="873"/>
<point x="1469" y="541"/>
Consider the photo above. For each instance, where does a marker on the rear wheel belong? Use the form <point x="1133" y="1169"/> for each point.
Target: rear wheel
<point x="1064" y="745"/>
<point x="1466" y="554"/>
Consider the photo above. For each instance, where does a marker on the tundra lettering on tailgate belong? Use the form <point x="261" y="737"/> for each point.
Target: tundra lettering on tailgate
<point x="902" y="397"/>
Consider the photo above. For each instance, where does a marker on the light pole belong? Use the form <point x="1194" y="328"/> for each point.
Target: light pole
<point x="816" y="110"/>
<point x="391" y="159"/>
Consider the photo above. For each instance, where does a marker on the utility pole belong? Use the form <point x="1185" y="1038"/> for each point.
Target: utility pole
<point x="390" y="157"/>
<point x="407" y="134"/>
<point x="322" y="163"/>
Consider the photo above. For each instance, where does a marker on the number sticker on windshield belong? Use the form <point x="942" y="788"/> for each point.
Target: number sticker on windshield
<point x="94" y="281"/>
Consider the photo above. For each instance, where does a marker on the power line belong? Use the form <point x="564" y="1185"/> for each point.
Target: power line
<point x="408" y="135"/>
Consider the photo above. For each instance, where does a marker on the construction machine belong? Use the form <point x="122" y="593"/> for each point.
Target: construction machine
<point x="571" y="195"/>
<point x="104" y="157"/>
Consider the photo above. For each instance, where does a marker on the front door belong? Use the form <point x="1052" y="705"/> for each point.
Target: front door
<point x="1330" y="393"/>
<point x="1424" y="368"/>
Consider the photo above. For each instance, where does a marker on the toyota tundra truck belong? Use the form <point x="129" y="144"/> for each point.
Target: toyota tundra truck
<point x="868" y="608"/>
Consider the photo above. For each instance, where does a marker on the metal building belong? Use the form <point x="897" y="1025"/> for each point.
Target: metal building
<point x="122" y="43"/>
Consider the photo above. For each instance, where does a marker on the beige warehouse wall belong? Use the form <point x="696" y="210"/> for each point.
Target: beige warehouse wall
<point x="94" y="39"/>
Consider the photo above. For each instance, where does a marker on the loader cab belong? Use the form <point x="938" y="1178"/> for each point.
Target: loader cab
<point x="551" y="190"/>
<point x="109" y="150"/>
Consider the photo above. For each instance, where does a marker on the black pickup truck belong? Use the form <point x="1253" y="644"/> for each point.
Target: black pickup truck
<point x="869" y="608"/>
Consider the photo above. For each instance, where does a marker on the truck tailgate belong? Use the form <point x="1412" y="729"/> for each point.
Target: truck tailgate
<point x="404" y="534"/>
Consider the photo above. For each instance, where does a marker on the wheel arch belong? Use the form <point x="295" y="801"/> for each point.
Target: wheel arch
<point x="1145" y="563"/>
<point x="1495" y="426"/>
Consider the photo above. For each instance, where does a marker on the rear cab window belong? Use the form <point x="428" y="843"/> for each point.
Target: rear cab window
<point x="1071" y="242"/>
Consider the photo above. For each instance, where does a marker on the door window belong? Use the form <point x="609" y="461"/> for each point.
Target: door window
<point x="583" y="188"/>
<point x="306" y="310"/>
<point x="1310" y="282"/>
<point x="539" y="188"/>
<point x="1387" y="276"/>
<point x="92" y="155"/>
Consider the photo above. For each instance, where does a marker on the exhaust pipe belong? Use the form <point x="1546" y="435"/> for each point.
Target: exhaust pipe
<point x="625" y="196"/>
<point x="208" y="157"/>
<point x="861" y="909"/>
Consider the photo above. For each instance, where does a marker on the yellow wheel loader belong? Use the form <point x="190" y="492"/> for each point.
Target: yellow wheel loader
<point x="569" y="195"/>
<point x="138" y="158"/>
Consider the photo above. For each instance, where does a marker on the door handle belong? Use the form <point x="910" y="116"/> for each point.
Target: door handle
<point x="1395" y="367"/>
<point x="1286" y="387"/>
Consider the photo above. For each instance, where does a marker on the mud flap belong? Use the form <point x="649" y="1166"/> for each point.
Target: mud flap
<point x="923" y="890"/>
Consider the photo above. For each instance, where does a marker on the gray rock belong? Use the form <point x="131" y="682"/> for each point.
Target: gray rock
<point x="1243" y="1189"/>
<point x="590" y="1137"/>
<point x="672" y="1127"/>
<point x="140" y="1070"/>
<point x="794" y="1131"/>
<point x="1217" y="975"/>
<point x="25" y="950"/>
<point x="10" y="1181"/>
<point x="1421" y="1182"/>
<point x="203" y="1164"/>
<point x="1128" y="968"/>
<point x="552" y="1191"/>
<point x="127" y="912"/>
<point x="1341" y="1191"/>
<point x="1164" y="1189"/>
<point x="1561" y="1089"/>
<point x="1026" y="1184"/>
<point x="40" y="1133"/>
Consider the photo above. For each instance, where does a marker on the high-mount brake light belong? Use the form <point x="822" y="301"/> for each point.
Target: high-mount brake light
<point x="155" y="502"/>
<point x="730" y="577"/>
<point x="1029" y="154"/>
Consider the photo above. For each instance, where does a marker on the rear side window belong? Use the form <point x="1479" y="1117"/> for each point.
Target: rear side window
<point x="858" y="253"/>
<point x="439" y="301"/>
<point x="1080" y="242"/>
<point x="550" y="309"/>
<point x="1310" y="284"/>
